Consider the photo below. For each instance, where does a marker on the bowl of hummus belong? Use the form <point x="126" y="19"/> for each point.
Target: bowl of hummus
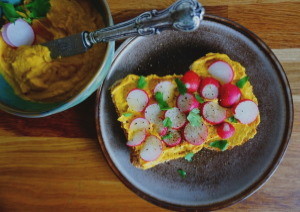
<point x="33" y="84"/>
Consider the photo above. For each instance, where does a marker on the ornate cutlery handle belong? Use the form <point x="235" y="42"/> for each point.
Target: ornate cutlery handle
<point x="183" y="15"/>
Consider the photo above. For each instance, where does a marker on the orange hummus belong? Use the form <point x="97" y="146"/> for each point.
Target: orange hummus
<point x="37" y="77"/>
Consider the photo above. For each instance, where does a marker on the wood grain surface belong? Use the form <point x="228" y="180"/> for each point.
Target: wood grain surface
<point x="55" y="163"/>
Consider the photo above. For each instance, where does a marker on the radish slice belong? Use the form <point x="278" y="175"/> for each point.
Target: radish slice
<point x="166" y="88"/>
<point x="137" y="99"/>
<point x="191" y="81"/>
<point x="160" y="128"/>
<point x="153" y="113"/>
<point x="209" y="88"/>
<point x="177" y="118"/>
<point x="229" y="95"/>
<point x="195" y="135"/>
<point x="246" y="111"/>
<point x="137" y="138"/>
<point x="222" y="71"/>
<point x="18" y="33"/>
<point x="187" y="102"/>
<point x="174" y="139"/>
<point x="225" y="130"/>
<point x="139" y="124"/>
<point x="151" y="149"/>
<point x="4" y="35"/>
<point x="213" y="113"/>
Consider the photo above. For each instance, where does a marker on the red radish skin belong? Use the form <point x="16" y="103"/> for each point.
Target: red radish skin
<point x="167" y="88"/>
<point x="191" y="81"/>
<point x="187" y="102"/>
<point x="246" y="111"/>
<point x="137" y="99"/>
<point x="139" y="124"/>
<point x="209" y="88"/>
<point x="175" y="138"/>
<point x="18" y="33"/>
<point x="229" y="95"/>
<point x="195" y="135"/>
<point x="137" y="138"/>
<point x="151" y="149"/>
<point x="213" y="113"/>
<point x="225" y="130"/>
<point x="177" y="118"/>
<point x="222" y="71"/>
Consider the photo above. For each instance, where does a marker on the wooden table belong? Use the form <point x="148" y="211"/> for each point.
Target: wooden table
<point x="55" y="163"/>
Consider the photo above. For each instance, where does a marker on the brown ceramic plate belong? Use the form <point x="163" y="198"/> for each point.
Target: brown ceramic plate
<point x="214" y="179"/>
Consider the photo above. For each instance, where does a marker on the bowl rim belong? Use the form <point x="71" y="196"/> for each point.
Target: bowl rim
<point x="81" y="96"/>
<point x="262" y="179"/>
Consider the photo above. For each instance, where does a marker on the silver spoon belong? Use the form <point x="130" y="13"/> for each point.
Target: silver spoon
<point x="183" y="15"/>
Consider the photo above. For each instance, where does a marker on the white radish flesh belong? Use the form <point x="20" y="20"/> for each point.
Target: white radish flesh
<point x="187" y="102"/>
<point x="246" y="111"/>
<point x="222" y="71"/>
<point x="166" y="88"/>
<point x="195" y="135"/>
<point x="213" y="113"/>
<point x="137" y="100"/>
<point x="139" y="124"/>
<point x="173" y="139"/>
<point x="209" y="88"/>
<point x="151" y="149"/>
<point x="4" y="35"/>
<point x="19" y="33"/>
<point x="137" y="138"/>
<point x="153" y="113"/>
<point x="177" y="118"/>
<point x="225" y="130"/>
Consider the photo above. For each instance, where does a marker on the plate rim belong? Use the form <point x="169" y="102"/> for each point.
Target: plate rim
<point x="268" y="172"/>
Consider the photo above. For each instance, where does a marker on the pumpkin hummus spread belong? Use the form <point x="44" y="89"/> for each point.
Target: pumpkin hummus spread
<point x="181" y="139"/>
<point x="31" y="71"/>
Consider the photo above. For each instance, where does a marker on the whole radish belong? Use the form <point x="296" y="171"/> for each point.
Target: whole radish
<point x="229" y="95"/>
<point x="225" y="130"/>
<point x="191" y="81"/>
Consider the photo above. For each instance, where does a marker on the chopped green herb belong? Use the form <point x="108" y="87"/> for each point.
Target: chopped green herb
<point x="232" y="119"/>
<point x="220" y="144"/>
<point x="127" y="114"/>
<point x="141" y="82"/>
<point x="181" y="86"/>
<point x="163" y="105"/>
<point x="199" y="98"/>
<point x="167" y="122"/>
<point x="194" y="118"/>
<point x="10" y="12"/>
<point x="242" y="82"/>
<point x="181" y="173"/>
<point x="189" y="156"/>
<point x="168" y="136"/>
<point x="38" y="8"/>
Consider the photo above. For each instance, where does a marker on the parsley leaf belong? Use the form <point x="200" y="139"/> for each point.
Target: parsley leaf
<point x="163" y="105"/>
<point x="127" y="114"/>
<point x="10" y="12"/>
<point x="167" y="122"/>
<point x="242" y="82"/>
<point x="220" y="144"/>
<point x="199" y="98"/>
<point x="181" y="86"/>
<point x="194" y="117"/>
<point x="38" y="8"/>
<point x="189" y="156"/>
<point x="181" y="173"/>
<point x="232" y="119"/>
<point x="141" y="82"/>
<point x="168" y="136"/>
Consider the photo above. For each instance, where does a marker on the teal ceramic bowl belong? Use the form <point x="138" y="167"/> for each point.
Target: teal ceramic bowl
<point x="12" y="103"/>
